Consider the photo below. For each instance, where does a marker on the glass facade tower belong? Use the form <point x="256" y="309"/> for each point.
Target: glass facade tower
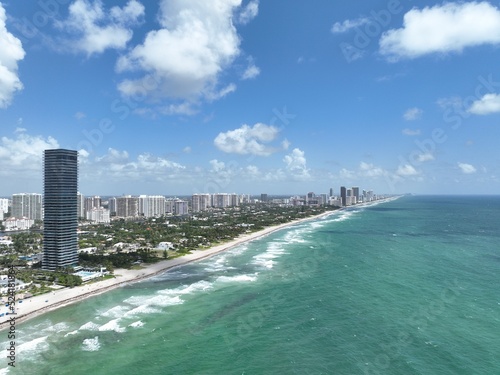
<point x="60" y="209"/>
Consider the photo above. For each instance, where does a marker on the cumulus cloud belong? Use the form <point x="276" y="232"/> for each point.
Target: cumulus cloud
<point x="449" y="27"/>
<point x="24" y="152"/>
<point x="184" y="59"/>
<point x="412" y="114"/>
<point x="425" y="157"/>
<point x="96" y="30"/>
<point x="466" y="168"/>
<point x="11" y="52"/>
<point x="296" y="163"/>
<point x="249" y="12"/>
<point x="489" y="103"/>
<point x="247" y="140"/>
<point x="251" y="71"/>
<point x="406" y="170"/>
<point x="342" y="27"/>
<point x="411" y="132"/>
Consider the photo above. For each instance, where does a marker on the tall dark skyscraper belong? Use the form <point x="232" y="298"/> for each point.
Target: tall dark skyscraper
<point x="60" y="209"/>
<point x="343" y="195"/>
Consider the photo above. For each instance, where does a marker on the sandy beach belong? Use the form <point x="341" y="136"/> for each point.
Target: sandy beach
<point x="41" y="304"/>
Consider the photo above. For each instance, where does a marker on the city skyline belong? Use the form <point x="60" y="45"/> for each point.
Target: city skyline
<point x="252" y="97"/>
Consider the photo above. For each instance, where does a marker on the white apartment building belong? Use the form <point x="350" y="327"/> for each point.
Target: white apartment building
<point x="151" y="205"/>
<point x="98" y="215"/>
<point x="27" y="205"/>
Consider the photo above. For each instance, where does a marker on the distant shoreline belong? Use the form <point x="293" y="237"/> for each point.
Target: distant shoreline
<point x="41" y="304"/>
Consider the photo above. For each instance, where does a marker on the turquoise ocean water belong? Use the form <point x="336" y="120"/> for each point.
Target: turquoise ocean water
<point x="405" y="287"/>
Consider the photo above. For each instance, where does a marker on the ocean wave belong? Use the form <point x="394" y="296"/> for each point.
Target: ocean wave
<point x="114" y="312"/>
<point x="89" y="326"/>
<point x="238" y="278"/>
<point x="112" y="325"/>
<point x="136" y="324"/>
<point x="31" y="348"/>
<point x="71" y="333"/>
<point x="202" y="285"/>
<point x="91" y="345"/>
<point x="142" y="310"/>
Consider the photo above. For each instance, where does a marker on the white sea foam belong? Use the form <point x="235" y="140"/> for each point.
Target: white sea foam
<point x="238" y="278"/>
<point x="4" y="371"/>
<point x="142" y="310"/>
<point x="91" y="345"/>
<point x="115" y="312"/>
<point x="112" y="325"/>
<point x="31" y="348"/>
<point x="202" y="285"/>
<point x="89" y="326"/>
<point x="71" y="333"/>
<point x="136" y="324"/>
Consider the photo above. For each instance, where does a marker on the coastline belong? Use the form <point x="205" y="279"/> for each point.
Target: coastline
<point x="41" y="304"/>
<point x="47" y="302"/>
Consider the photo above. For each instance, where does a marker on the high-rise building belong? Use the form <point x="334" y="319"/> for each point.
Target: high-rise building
<point x="127" y="206"/>
<point x="181" y="207"/>
<point x="81" y="205"/>
<point x="60" y="209"/>
<point x="4" y="207"/>
<point x="92" y="202"/>
<point x="27" y="205"/>
<point x="200" y="202"/>
<point x="343" y="195"/>
<point x="151" y="205"/>
<point x="263" y="197"/>
<point x="355" y="193"/>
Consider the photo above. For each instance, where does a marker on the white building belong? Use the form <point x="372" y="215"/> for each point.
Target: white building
<point x="98" y="215"/>
<point x="200" y="202"/>
<point x="27" y="205"/>
<point x="151" y="205"/>
<point x="81" y="205"/>
<point x="127" y="206"/>
<point x="181" y="207"/>
<point x="13" y="223"/>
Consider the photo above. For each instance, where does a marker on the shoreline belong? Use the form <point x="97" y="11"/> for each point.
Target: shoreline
<point x="41" y="304"/>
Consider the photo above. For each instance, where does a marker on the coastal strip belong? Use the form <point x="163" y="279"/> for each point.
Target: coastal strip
<point x="37" y="305"/>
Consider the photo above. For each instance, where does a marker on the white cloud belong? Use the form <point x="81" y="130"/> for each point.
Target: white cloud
<point x="185" y="58"/>
<point x="11" y="52"/>
<point x="247" y="140"/>
<point x="23" y="153"/>
<point x="449" y="27"/>
<point x="370" y="170"/>
<point x="97" y="30"/>
<point x="285" y="144"/>
<point x="407" y="170"/>
<point x="342" y="27"/>
<point x="183" y="108"/>
<point x="80" y="115"/>
<point x="187" y="150"/>
<point x="412" y="114"/>
<point x="411" y="132"/>
<point x="296" y="164"/>
<point x="466" y="168"/>
<point x="251" y="71"/>
<point x="489" y="103"/>
<point x="425" y="157"/>
<point x="249" y="12"/>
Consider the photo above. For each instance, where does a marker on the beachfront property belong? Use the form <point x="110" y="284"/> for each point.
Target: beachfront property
<point x="60" y="209"/>
<point x="18" y="285"/>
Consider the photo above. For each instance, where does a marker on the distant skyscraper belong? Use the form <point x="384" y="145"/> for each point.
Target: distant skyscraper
<point x="81" y="205"/>
<point x="127" y="206"/>
<point x="343" y="195"/>
<point x="60" y="209"/>
<point x="355" y="193"/>
<point x="27" y="205"/>
<point x="263" y="197"/>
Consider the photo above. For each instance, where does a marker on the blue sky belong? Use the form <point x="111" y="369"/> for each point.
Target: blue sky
<point x="181" y="96"/>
